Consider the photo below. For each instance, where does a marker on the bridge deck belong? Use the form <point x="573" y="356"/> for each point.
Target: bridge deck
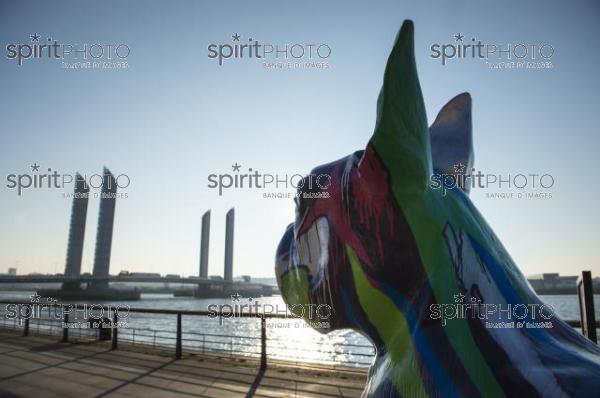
<point x="36" y="366"/>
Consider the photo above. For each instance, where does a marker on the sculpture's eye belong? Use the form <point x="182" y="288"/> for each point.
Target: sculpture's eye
<point x="312" y="250"/>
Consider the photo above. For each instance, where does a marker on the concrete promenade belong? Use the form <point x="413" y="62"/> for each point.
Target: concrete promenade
<point x="41" y="367"/>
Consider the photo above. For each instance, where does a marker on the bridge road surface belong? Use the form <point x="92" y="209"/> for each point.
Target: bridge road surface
<point x="41" y="367"/>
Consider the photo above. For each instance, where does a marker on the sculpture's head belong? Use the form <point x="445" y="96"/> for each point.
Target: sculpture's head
<point x="349" y="222"/>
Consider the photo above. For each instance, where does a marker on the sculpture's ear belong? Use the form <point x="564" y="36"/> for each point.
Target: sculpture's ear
<point x="401" y="137"/>
<point x="452" y="138"/>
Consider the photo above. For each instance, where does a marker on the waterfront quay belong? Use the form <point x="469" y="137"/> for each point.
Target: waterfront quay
<point x="31" y="366"/>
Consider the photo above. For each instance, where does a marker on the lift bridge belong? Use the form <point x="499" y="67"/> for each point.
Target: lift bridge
<point x="75" y="286"/>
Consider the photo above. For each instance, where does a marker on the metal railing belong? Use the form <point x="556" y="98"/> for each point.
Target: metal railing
<point x="262" y="346"/>
<point x="585" y="295"/>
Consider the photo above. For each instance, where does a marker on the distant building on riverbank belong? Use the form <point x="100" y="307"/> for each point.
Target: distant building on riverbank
<point x="554" y="283"/>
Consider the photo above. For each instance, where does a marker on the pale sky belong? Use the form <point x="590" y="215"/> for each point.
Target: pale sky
<point x="176" y="116"/>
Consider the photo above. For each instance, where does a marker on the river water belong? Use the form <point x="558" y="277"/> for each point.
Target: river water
<point x="287" y="339"/>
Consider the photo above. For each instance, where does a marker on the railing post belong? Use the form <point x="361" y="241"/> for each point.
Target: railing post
<point x="26" y="327"/>
<point x="263" y="343"/>
<point x="178" y="341"/>
<point x="65" y="338"/>
<point x="115" y="338"/>
<point x="586" y="305"/>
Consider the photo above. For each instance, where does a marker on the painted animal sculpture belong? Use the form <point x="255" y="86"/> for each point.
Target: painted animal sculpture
<point x="386" y="250"/>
